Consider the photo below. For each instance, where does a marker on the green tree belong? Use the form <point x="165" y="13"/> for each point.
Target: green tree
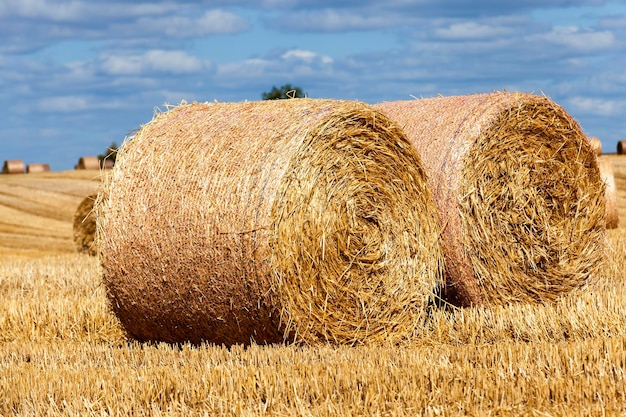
<point x="285" y="91"/>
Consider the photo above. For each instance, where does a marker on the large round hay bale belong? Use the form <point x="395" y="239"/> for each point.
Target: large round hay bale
<point x="621" y="147"/>
<point x="608" y="177"/>
<point x="275" y="221"/>
<point x="596" y="145"/>
<point x="36" y="167"/>
<point x="85" y="226"/>
<point x="13" y="166"/>
<point x="88" y="162"/>
<point x="518" y="190"/>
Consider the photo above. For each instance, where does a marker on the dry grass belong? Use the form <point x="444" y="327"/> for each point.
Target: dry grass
<point x="64" y="353"/>
<point x="285" y="220"/>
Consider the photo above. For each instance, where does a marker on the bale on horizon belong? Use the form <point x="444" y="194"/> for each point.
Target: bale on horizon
<point x="299" y="220"/>
<point x="37" y="167"/>
<point x="13" y="166"/>
<point x="518" y="190"/>
<point x="621" y="147"/>
<point x="88" y="162"/>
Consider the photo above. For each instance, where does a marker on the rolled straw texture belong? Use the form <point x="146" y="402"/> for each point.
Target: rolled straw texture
<point x="295" y="220"/>
<point x="85" y="226"/>
<point x="518" y="190"/>
<point x="621" y="147"/>
<point x="88" y="162"/>
<point x="13" y="166"/>
<point x="596" y="145"/>
<point x="608" y="177"/>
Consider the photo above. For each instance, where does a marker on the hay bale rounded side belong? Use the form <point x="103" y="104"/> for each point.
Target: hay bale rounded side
<point x="35" y="167"/>
<point x="296" y="220"/>
<point x="13" y="166"/>
<point x="596" y="145"/>
<point x="518" y="190"/>
<point x="608" y="177"/>
<point x="84" y="226"/>
<point x="88" y="162"/>
<point x="621" y="147"/>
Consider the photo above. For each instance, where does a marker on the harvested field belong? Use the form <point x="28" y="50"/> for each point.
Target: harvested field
<point x="519" y="194"/>
<point x="85" y="226"/>
<point x="289" y="220"/>
<point x="63" y="352"/>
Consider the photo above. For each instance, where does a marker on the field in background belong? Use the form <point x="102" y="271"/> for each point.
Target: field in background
<point x="63" y="353"/>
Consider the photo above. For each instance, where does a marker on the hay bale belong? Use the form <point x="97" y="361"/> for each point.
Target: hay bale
<point x="608" y="177"/>
<point x="13" y="166"/>
<point x="518" y="190"/>
<point x="294" y="220"/>
<point x="621" y="147"/>
<point x="107" y="163"/>
<point x="596" y="145"/>
<point x="88" y="162"/>
<point x="85" y="226"/>
<point x="34" y="167"/>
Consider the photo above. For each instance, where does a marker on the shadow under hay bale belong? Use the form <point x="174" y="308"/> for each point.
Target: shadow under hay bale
<point x="294" y="220"/>
<point x="608" y="177"/>
<point x="88" y="162"/>
<point x="33" y="168"/>
<point x="518" y="190"/>
<point x="13" y="166"/>
<point x="84" y="226"/>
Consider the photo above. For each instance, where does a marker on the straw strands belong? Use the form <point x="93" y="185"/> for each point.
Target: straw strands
<point x="518" y="190"/>
<point x="84" y="226"/>
<point x="295" y="220"/>
<point x="612" y="212"/>
<point x="13" y="166"/>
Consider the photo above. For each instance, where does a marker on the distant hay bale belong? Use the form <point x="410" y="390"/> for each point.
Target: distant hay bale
<point x="88" y="162"/>
<point x="518" y="190"/>
<point x="596" y="145"/>
<point x="107" y="163"/>
<point x="621" y="147"/>
<point x="608" y="177"/>
<point x="85" y="226"/>
<point x="295" y="220"/>
<point x="32" y="168"/>
<point x="13" y="166"/>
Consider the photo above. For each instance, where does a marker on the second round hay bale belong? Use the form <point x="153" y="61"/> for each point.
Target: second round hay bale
<point x="294" y="220"/>
<point x="608" y="177"/>
<point x="84" y="226"/>
<point x="518" y="190"/>
<point x="621" y="147"/>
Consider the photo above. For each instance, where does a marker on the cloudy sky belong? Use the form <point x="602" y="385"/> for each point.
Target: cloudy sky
<point x="77" y="75"/>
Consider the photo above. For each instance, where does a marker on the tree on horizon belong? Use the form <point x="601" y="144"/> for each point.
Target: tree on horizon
<point x="283" y="92"/>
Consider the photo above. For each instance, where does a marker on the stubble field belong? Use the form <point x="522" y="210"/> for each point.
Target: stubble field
<point x="62" y="352"/>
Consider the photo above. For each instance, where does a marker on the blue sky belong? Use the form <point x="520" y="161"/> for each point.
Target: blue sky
<point x="77" y="75"/>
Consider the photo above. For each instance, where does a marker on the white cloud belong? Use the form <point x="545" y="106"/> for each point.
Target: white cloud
<point x="176" y="62"/>
<point x="306" y="56"/>
<point x="65" y="104"/>
<point x="597" y="106"/>
<point x="471" y="30"/>
<point x="210" y="22"/>
<point x="577" y="39"/>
